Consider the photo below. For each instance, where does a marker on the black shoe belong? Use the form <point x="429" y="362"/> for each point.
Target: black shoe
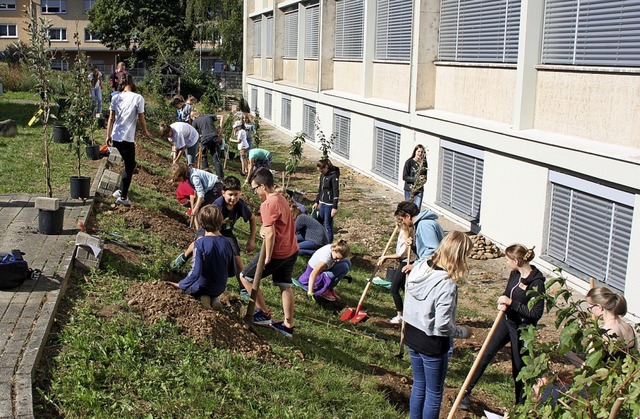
<point x="465" y="403"/>
<point x="349" y="278"/>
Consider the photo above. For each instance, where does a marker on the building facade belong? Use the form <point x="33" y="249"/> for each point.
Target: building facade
<point x="529" y="112"/>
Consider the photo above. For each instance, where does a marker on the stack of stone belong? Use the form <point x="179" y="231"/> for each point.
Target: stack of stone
<point x="484" y="248"/>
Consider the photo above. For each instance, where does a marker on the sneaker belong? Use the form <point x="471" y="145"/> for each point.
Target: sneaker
<point x="328" y="295"/>
<point x="178" y="262"/>
<point x="244" y="294"/>
<point x="205" y="300"/>
<point x="465" y="403"/>
<point x="381" y="282"/>
<point x="396" y="320"/>
<point x="123" y="201"/>
<point x="117" y="194"/>
<point x="261" y="318"/>
<point x="280" y="327"/>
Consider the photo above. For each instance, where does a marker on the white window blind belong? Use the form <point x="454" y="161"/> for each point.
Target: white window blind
<point x="479" y="30"/>
<point x="349" y="29"/>
<point x="257" y="38"/>
<point x="291" y="34"/>
<point x="386" y="153"/>
<point x="254" y="99"/>
<point x="394" y="20"/>
<point x="461" y="182"/>
<point x="269" y="51"/>
<point x="286" y="112"/>
<point x="309" y="121"/>
<point x="312" y="32"/>
<point x="268" y="104"/>
<point x="592" y="32"/>
<point x="590" y="233"/>
<point x="342" y="131"/>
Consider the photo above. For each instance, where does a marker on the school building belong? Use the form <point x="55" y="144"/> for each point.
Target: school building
<point x="529" y="111"/>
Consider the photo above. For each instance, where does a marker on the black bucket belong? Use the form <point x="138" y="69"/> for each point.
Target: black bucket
<point x="93" y="152"/>
<point x="80" y="187"/>
<point x="61" y="134"/>
<point x="102" y="123"/>
<point x="50" y="222"/>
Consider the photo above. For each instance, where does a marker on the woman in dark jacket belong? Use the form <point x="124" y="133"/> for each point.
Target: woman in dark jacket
<point x="328" y="194"/>
<point x="515" y="304"/>
<point x="415" y="175"/>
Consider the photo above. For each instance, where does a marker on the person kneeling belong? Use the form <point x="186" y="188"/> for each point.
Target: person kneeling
<point x="325" y="269"/>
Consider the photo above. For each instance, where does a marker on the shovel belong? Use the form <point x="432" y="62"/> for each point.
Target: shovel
<point x="248" y="317"/>
<point x="354" y="315"/>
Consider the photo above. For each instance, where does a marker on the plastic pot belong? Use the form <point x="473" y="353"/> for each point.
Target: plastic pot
<point x="102" y="122"/>
<point x="61" y="134"/>
<point x="93" y="152"/>
<point x="50" y="222"/>
<point x="80" y="187"/>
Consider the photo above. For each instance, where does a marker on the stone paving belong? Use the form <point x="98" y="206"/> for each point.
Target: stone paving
<point x="27" y="312"/>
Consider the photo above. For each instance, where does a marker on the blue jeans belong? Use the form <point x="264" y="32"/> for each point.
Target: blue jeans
<point x="417" y="199"/>
<point x="96" y="99"/>
<point x="338" y="271"/>
<point x="307" y="247"/>
<point x="325" y="218"/>
<point x="428" y="384"/>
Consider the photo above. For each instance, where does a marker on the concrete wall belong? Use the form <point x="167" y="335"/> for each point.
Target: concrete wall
<point x="479" y="92"/>
<point x="311" y="72"/>
<point x="347" y="76"/>
<point x="390" y="82"/>
<point x="269" y="70"/>
<point x="602" y="107"/>
<point x="290" y="70"/>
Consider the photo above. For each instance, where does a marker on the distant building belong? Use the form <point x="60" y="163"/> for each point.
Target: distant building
<point x="529" y="111"/>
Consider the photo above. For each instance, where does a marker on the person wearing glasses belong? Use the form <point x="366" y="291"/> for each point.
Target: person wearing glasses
<point x="609" y="307"/>
<point x="525" y="282"/>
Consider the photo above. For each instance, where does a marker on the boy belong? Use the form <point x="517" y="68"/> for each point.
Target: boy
<point x="213" y="261"/>
<point x="281" y="251"/>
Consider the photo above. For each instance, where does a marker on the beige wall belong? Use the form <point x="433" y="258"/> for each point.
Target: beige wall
<point x="290" y="70"/>
<point x="347" y="76"/>
<point x="255" y="66"/>
<point x="387" y="82"/>
<point x="311" y="72"/>
<point x="269" y="73"/>
<point x="598" y="106"/>
<point x="486" y="93"/>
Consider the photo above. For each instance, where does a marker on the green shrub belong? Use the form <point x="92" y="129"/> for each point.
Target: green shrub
<point x="17" y="78"/>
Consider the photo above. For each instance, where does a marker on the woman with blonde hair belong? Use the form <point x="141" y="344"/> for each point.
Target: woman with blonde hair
<point x="430" y="321"/>
<point x="609" y="307"/>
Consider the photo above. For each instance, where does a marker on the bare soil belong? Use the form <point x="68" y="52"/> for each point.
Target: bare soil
<point x="370" y="203"/>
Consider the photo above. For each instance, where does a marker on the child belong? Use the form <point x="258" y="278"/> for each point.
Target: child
<point x="428" y="232"/>
<point x="243" y="145"/>
<point x="184" y="139"/>
<point x="310" y="234"/>
<point x="182" y="108"/>
<point x="325" y="269"/>
<point x="213" y="262"/>
<point x="204" y="183"/>
<point x="186" y="195"/>
<point x="281" y="252"/>
<point x="257" y="158"/>
<point x="247" y="121"/>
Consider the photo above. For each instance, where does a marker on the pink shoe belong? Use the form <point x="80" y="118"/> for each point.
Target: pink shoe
<point x="328" y="295"/>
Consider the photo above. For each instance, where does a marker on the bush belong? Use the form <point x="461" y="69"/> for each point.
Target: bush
<point x="17" y="78"/>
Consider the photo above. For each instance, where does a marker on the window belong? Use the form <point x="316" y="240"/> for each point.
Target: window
<point x="88" y="4"/>
<point x="394" y="20"/>
<point x="461" y="179"/>
<point x="286" y="112"/>
<point x="61" y="65"/>
<point x="269" y="51"/>
<point x="349" y="29"/>
<point x="91" y="37"/>
<point x="54" y="6"/>
<point x="257" y="38"/>
<point x="386" y="150"/>
<point x="591" y="32"/>
<point x="268" y="102"/>
<point x="479" y="30"/>
<point x="254" y="99"/>
<point x="309" y="120"/>
<point x="312" y="33"/>
<point x="291" y="34"/>
<point x="342" y="132"/>
<point x="58" y="34"/>
<point x="590" y="228"/>
<point x="8" y="31"/>
<point x="7" y="4"/>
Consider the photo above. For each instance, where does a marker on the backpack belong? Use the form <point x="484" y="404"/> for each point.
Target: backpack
<point x="13" y="270"/>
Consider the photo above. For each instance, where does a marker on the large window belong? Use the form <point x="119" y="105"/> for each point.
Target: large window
<point x="58" y="34"/>
<point x="257" y="38"/>
<point x="285" y="116"/>
<point x="88" y="4"/>
<point x="54" y="6"/>
<point x="590" y="228"/>
<point x="291" y="34"/>
<point x="8" y="31"/>
<point x="312" y="32"/>
<point x="349" y="29"/>
<point x="592" y="32"/>
<point x="269" y="51"/>
<point x="386" y="156"/>
<point x="61" y="65"/>
<point x="342" y="132"/>
<point x="91" y="37"/>
<point x="479" y="30"/>
<point x="7" y="4"/>
<point x="394" y="20"/>
<point x="461" y="173"/>
<point x="309" y="120"/>
<point x="268" y="104"/>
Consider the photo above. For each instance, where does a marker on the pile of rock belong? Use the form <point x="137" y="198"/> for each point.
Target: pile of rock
<point x="484" y="249"/>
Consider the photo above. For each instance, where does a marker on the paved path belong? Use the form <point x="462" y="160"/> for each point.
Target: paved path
<point x="27" y="312"/>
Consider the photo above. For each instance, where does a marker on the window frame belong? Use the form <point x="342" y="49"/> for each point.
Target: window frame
<point x="63" y="65"/>
<point x="312" y="32"/>
<point x="285" y="114"/>
<point x="46" y="5"/>
<point x="88" y="36"/>
<point x="257" y="38"/>
<point x="309" y="120"/>
<point x="4" y="5"/>
<point x="268" y="104"/>
<point x="290" y="41"/>
<point x="269" y="51"/>
<point x="7" y="27"/>
<point x="61" y="31"/>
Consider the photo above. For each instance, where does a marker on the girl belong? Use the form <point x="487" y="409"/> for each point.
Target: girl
<point x="184" y="138"/>
<point x="609" y="307"/>
<point x="415" y="175"/>
<point x="430" y="315"/>
<point x="525" y="282"/>
<point x="249" y="127"/>
<point x="398" y="280"/>
<point x="243" y="145"/>
<point x="206" y="185"/>
<point x="328" y="195"/>
<point x="325" y="269"/>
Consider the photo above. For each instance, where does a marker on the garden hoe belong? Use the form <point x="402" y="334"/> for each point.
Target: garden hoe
<point x="354" y="315"/>
<point x="248" y="317"/>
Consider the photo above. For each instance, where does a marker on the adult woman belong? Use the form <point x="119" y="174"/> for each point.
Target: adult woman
<point x="184" y="138"/>
<point x="609" y="307"/>
<point x="430" y="315"/>
<point x="328" y="195"/>
<point x="525" y="282"/>
<point x="206" y="184"/>
<point x="325" y="269"/>
<point x="399" y="277"/>
<point x="126" y="110"/>
<point x="415" y="175"/>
